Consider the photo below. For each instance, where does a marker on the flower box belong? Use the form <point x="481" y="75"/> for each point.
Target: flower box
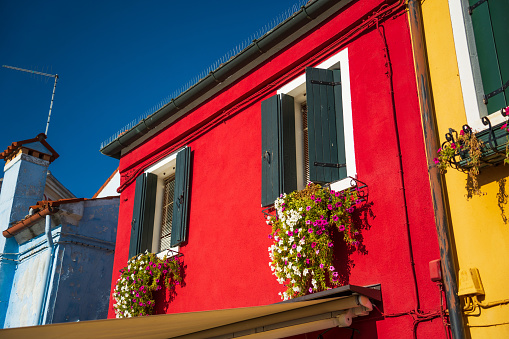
<point x="494" y="140"/>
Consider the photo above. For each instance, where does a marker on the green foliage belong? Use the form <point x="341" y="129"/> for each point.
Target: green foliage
<point x="144" y="274"/>
<point x="302" y="253"/>
<point x="467" y="142"/>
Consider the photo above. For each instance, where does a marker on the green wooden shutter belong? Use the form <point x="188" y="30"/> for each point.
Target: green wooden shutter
<point x="142" y="224"/>
<point x="326" y="139"/>
<point x="181" y="197"/>
<point x="489" y="20"/>
<point x="279" y="170"/>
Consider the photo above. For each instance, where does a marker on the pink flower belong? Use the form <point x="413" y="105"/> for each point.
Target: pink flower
<point x="313" y="245"/>
<point x="299" y="255"/>
<point x="308" y="208"/>
<point x="331" y="244"/>
<point x="310" y="290"/>
<point x="341" y="228"/>
<point x="294" y="246"/>
<point x="318" y="200"/>
<point x="270" y="236"/>
<point x="439" y="150"/>
<point x="290" y="233"/>
<point x="329" y="206"/>
<point x="462" y="132"/>
<point x="504" y="126"/>
<point x="436" y="161"/>
<point x="453" y="145"/>
<point x="331" y="268"/>
<point x="317" y="251"/>
<point x="335" y="218"/>
<point x="310" y="230"/>
<point x="308" y="222"/>
<point x="307" y="261"/>
<point x="321" y="265"/>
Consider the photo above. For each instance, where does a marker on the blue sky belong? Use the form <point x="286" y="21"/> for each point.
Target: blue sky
<point x="116" y="60"/>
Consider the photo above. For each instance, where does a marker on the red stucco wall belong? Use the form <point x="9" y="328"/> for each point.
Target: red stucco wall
<point x="226" y="254"/>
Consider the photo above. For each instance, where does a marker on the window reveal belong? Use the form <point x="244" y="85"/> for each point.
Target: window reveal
<point x="167" y="212"/>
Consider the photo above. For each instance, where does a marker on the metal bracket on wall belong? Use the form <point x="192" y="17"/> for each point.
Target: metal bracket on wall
<point x="328" y="83"/>
<point x="325" y="164"/>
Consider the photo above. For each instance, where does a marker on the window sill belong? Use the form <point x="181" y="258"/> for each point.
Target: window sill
<point x="496" y="118"/>
<point x="169" y="252"/>
<point x="342" y="184"/>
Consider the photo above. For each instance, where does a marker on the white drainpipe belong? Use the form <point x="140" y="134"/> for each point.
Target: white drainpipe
<point x="47" y="272"/>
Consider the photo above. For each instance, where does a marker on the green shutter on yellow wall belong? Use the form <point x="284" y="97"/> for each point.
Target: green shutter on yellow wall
<point x="326" y="139"/>
<point x="489" y="20"/>
<point x="181" y="197"/>
<point x="279" y="172"/>
<point x="142" y="223"/>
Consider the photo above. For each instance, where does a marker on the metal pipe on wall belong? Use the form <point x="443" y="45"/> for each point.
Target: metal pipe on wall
<point x="431" y="145"/>
<point x="47" y="272"/>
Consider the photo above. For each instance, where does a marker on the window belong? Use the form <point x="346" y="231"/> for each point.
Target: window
<point x="480" y="38"/>
<point x="307" y="131"/>
<point x="160" y="212"/>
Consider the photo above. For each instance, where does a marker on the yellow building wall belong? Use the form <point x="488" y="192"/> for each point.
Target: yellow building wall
<point x="480" y="224"/>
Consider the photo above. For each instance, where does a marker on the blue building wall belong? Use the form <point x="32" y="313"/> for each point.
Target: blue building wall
<point x="23" y="185"/>
<point x="81" y="270"/>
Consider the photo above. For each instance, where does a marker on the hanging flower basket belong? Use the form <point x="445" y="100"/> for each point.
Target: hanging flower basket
<point x="302" y="253"/>
<point x="143" y="275"/>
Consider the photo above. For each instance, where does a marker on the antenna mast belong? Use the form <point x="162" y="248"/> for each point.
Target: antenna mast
<point x="46" y="75"/>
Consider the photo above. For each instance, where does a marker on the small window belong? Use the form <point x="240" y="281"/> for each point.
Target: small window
<point x="161" y="202"/>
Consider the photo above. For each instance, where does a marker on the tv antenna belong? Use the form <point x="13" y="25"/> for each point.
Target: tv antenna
<point x="46" y="75"/>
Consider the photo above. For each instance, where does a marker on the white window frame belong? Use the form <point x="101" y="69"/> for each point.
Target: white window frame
<point x="468" y="67"/>
<point x="297" y="89"/>
<point x="163" y="169"/>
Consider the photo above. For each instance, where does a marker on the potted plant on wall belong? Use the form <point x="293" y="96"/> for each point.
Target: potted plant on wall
<point x="143" y="275"/>
<point x="470" y="151"/>
<point x="302" y="253"/>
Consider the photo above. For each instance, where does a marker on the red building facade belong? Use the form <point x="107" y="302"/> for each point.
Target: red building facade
<point x="218" y="131"/>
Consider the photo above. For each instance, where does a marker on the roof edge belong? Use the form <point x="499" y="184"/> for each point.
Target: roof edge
<point x="308" y="12"/>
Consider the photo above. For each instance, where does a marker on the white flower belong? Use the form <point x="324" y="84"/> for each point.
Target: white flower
<point x="291" y="239"/>
<point x="299" y="248"/>
<point x="302" y="241"/>
<point x="305" y="272"/>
